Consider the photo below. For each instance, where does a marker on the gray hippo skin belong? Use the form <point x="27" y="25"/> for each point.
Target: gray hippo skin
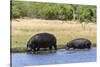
<point x="41" y="40"/>
<point x="79" y="43"/>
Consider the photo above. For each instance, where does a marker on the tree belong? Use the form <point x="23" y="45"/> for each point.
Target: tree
<point x="83" y="13"/>
<point x="74" y="10"/>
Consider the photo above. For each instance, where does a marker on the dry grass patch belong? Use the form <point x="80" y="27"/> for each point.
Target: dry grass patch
<point x="23" y="29"/>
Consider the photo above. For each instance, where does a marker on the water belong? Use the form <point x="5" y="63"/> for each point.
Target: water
<point x="61" y="56"/>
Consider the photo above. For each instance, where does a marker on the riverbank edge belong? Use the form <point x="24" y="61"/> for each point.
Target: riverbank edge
<point x="24" y="49"/>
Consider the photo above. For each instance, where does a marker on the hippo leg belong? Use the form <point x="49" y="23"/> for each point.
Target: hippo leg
<point x="74" y="47"/>
<point x="55" y="47"/>
<point x="38" y="49"/>
<point x="50" y="48"/>
<point x="34" y="49"/>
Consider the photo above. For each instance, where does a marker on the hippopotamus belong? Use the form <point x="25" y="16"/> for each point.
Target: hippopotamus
<point x="79" y="43"/>
<point x="41" y="40"/>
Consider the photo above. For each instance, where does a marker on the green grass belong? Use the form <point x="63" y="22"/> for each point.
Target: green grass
<point x="23" y="30"/>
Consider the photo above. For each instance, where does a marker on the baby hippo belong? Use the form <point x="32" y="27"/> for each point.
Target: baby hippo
<point x="79" y="43"/>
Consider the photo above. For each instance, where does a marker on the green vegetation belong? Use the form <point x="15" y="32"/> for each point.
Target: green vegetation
<point x="83" y="13"/>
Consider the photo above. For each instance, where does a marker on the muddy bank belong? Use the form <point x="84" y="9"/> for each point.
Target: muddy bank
<point x="24" y="49"/>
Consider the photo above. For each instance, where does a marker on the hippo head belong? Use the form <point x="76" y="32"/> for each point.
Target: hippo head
<point x="29" y="48"/>
<point x="68" y="46"/>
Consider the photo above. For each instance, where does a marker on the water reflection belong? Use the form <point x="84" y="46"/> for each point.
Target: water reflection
<point x="61" y="56"/>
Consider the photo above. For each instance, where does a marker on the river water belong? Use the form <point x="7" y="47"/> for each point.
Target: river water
<point x="62" y="56"/>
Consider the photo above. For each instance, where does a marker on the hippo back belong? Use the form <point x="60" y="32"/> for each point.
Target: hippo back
<point x="43" y="40"/>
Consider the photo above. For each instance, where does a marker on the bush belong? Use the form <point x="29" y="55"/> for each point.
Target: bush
<point x="53" y="11"/>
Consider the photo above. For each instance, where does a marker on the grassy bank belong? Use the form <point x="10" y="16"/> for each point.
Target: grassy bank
<point x="23" y="29"/>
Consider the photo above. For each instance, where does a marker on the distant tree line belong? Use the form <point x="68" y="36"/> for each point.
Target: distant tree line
<point x="83" y="13"/>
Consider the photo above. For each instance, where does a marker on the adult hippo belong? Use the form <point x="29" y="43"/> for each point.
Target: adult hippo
<point x="79" y="43"/>
<point x="41" y="40"/>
